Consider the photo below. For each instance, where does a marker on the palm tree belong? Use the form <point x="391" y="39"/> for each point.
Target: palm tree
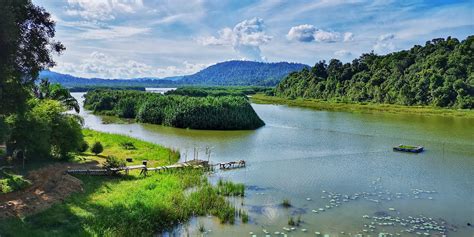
<point x="55" y="91"/>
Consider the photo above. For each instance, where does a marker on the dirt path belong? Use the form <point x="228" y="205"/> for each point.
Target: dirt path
<point x="50" y="185"/>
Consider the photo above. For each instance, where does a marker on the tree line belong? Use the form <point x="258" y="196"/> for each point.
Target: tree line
<point x="437" y="74"/>
<point x="196" y="112"/>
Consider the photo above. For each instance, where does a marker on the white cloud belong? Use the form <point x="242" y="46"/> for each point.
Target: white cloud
<point x="348" y="36"/>
<point x="342" y="54"/>
<point x="245" y="38"/>
<point x="102" y="9"/>
<point x="385" y="44"/>
<point x="98" y="64"/>
<point x="112" y="32"/>
<point x="309" y="33"/>
<point x="303" y="33"/>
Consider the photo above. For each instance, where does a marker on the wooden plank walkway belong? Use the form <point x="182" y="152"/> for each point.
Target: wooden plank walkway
<point x="196" y="164"/>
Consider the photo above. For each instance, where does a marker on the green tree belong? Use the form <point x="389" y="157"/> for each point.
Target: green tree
<point x="97" y="148"/>
<point x="46" y="90"/>
<point x="26" y="47"/>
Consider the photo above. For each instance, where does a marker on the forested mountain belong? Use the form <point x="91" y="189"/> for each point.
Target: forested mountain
<point x="243" y="73"/>
<point x="72" y="81"/>
<point x="441" y="73"/>
<point x="225" y="74"/>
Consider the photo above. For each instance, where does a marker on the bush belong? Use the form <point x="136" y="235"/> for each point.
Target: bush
<point x="97" y="148"/>
<point x="113" y="162"/>
<point x="83" y="147"/>
<point x="128" y="145"/>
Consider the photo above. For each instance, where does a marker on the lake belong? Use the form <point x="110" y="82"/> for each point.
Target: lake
<point x="337" y="169"/>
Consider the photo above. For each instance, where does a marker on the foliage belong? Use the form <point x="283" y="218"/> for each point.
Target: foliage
<point x="437" y="74"/>
<point x="218" y="113"/>
<point x="113" y="162"/>
<point x="320" y="104"/>
<point x="44" y="130"/>
<point x="219" y="91"/>
<point x="46" y="90"/>
<point x="128" y="145"/>
<point x="84" y="146"/>
<point x="228" y="188"/>
<point x="12" y="182"/>
<point x="26" y="47"/>
<point x="97" y="148"/>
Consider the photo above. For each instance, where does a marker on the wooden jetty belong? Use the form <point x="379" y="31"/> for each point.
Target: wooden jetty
<point x="231" y="165"/>
<point x="194" y="164"/>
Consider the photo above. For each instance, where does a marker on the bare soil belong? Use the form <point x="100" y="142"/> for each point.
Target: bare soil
<point x="50" y="185"/>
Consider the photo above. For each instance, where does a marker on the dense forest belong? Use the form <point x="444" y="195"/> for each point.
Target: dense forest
<point x="219" y="91"/>
<point x="210" y="112"/>
<point x="441" y="73"/>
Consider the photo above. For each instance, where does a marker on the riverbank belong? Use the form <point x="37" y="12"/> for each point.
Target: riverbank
<point x="361" y="108"/>
<point x="126" y="205"/>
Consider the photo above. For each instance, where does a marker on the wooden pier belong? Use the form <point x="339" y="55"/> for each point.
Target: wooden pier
<point x="194" y="164"/>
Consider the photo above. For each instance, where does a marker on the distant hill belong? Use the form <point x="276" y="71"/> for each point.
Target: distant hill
<point x="243" y="73"/>
<point x="72" y="81"/>
<point x="230" y="73"/>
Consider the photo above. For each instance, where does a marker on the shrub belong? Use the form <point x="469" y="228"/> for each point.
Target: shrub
<point x="97" y="148"/>
<point x="128" y="145"/>
<point x="83" y="147"/>
<point x="113" y="162"/>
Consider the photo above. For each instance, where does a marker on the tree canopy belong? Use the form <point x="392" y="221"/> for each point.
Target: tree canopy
<point x="198" y="112"/>
<point x="26" y="47"/>
<point x="437" y="74"/>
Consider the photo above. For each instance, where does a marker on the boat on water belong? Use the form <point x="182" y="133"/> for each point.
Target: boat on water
<point x="408" y="148"/>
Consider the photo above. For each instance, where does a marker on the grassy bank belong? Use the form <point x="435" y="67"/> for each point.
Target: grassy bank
<point x="130" y="205"/>
<point x="363" y="108"/>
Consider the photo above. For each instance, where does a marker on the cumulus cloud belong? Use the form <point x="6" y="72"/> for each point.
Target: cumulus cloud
<point x="102" y="9"/>
<point x="98" y="64"/>
<point x="303" y="33"/>
<point x="384" y="44"/>
<point x="309" y="33"/>
<point x="245" y="38"/>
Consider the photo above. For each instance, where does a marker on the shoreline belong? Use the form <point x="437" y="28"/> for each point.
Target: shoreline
<point x="361" y="108"/>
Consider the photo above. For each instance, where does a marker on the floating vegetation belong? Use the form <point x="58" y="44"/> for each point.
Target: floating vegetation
<point x="286" y="203"/>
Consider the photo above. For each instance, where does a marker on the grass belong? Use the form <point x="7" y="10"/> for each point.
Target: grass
<point x="156" y="155"/>
<point x="228" y="188"/>
<point x="130" y="205"/>
<point x="11" y="182"/>
<point x="361" y="107"/>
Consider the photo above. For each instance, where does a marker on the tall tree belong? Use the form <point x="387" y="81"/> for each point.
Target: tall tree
<point x="26" y="48"/>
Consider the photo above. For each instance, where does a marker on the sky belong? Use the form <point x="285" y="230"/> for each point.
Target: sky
<point x="161" y="38"/>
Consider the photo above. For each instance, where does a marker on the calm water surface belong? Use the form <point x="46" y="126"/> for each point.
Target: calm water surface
<point x="306" y="155"/>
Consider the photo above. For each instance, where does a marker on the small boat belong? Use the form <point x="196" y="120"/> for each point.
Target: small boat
<point x="407" y="148"/>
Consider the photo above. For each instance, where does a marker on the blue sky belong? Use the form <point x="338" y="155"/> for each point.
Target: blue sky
<point x="156" y="38"/>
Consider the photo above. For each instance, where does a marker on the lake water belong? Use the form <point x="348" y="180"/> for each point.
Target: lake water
<point x="337" y="161"/>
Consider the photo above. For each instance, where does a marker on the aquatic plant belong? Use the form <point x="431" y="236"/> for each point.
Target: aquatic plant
<point x="228" y="188"/>
<point x="286" y="203"/>
<point x="244" y="216"/>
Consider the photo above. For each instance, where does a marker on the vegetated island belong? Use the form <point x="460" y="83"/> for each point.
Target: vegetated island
<point x="125" y="205"/>
<point x="195" y="112"/>
<point x="437" y="75"/>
